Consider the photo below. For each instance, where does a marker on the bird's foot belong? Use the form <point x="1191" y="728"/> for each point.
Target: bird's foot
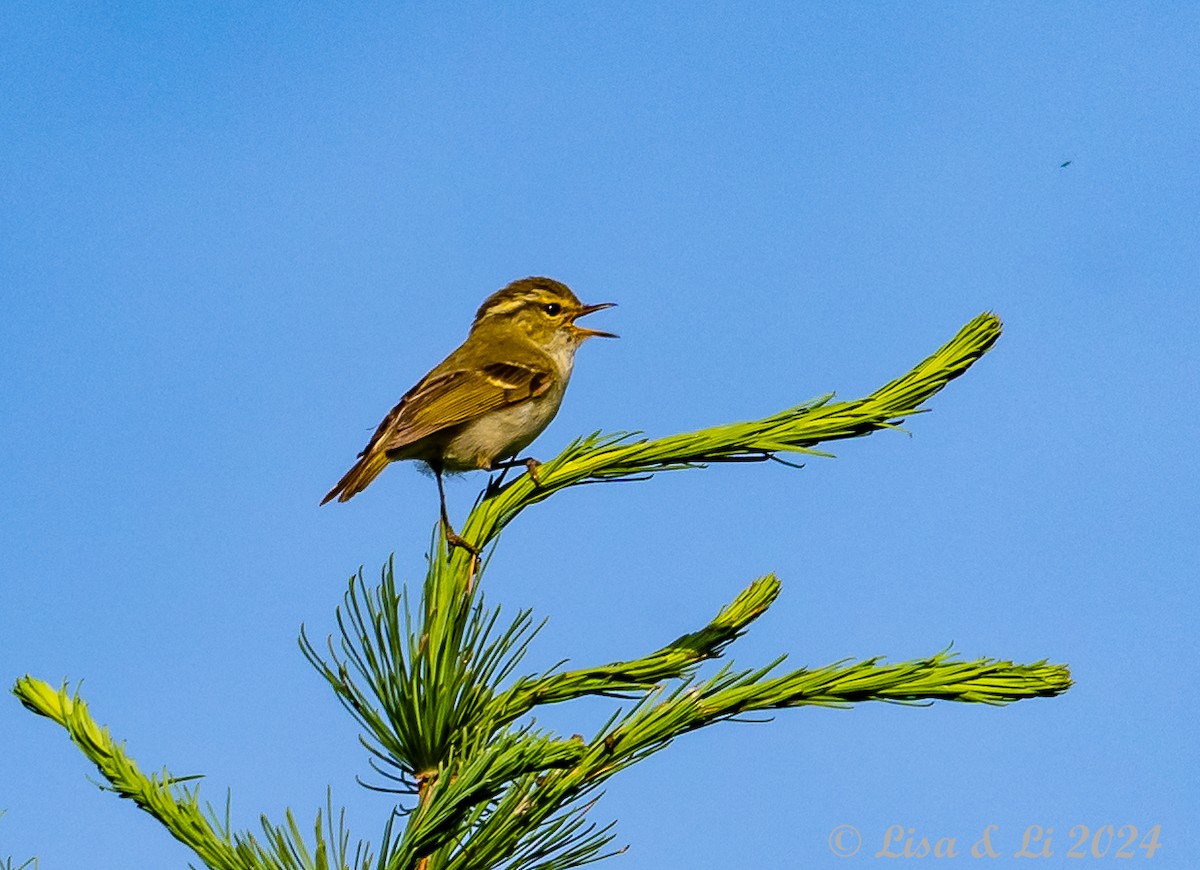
<point x="531" y="466"/>
<point x="453" y="539"/>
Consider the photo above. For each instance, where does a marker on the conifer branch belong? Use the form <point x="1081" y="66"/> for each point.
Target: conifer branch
<point x="678" y="659"/>
<point x="177" y="806"/>
<point x="618" y="456"/>
<point x="728" y="695"/>
<point x="663" y="715"/>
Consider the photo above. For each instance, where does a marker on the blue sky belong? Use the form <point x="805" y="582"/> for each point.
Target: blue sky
<point x="231" y="238"/>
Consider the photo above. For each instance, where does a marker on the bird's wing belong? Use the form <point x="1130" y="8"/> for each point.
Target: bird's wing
<point x="448" y="398"/>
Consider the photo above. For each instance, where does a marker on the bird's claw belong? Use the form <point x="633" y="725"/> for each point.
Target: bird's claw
<point x="453" y="539"/>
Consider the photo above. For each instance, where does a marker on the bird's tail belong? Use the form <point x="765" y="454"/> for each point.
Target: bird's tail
<point x="356" y="479"/>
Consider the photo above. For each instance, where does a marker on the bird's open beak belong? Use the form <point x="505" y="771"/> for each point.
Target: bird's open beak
<point x="583" y="331"/>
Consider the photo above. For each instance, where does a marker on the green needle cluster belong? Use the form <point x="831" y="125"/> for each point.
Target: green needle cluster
<point x="449" y="719"/>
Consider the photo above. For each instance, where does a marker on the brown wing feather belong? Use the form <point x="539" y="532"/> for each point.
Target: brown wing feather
<point x="456" y="397"/>
<point x="441" y="400"/>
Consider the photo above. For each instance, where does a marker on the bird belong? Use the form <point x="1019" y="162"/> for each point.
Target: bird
<point x="489" y="399"/>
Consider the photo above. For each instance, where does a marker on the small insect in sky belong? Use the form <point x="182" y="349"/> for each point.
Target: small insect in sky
<point x="1064" y="164"/>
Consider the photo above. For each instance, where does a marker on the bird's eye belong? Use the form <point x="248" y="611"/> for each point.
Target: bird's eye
<point x="552" y="308"/>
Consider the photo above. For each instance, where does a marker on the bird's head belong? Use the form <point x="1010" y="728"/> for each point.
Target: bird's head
<point x="542" y="308"/>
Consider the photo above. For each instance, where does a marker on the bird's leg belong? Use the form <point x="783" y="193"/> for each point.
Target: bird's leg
<point x="453" y="539"/>
<point x="497" y="482"/>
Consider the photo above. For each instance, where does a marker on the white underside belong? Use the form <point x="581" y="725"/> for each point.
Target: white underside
<point x="500" y="434"/>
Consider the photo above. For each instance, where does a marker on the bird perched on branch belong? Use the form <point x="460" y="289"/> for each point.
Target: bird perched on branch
<point x="490" y="398"/>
